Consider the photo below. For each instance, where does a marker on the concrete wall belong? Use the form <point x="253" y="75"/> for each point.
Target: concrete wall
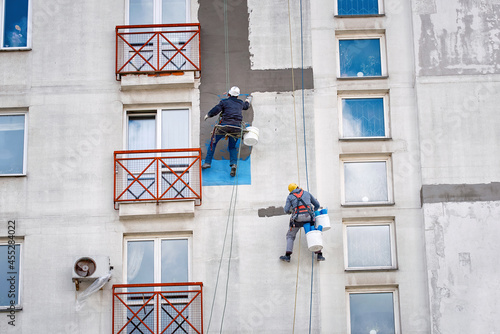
<point x="463" y="286"/>
<point x="457" y="86"/>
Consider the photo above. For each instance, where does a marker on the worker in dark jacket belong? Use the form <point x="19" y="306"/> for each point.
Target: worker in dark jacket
<point x="231" y="116"/>
<point x="301" y="205"/>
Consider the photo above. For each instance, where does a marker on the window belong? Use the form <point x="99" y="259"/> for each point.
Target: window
<point x="361" y="56"/>
<point x="369" y="245"/>
<point x="161" y="128"/>
<point x="364" y="117"/>
<point x="157" y="260"/>
<point x="14" y="18"/>
<point x="373" y="310"/>
<point x="366" y="180"/>
<point x="10" y="266"/>
<point x="13" y="144"/>
<point x="158" y="11"/>
<point x="359" y="7"/>
<point x="161" y="173"/>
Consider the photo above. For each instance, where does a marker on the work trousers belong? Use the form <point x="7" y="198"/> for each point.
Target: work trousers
<point x="231" y="147"/>
<point x="290" y="238"/>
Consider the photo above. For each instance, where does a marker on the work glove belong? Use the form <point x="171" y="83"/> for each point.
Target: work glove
<point x="206" y="116"/>
<point x="249" y="99"/>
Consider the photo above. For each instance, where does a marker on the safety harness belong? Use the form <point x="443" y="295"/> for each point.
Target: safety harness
<point x="303" y="212"/>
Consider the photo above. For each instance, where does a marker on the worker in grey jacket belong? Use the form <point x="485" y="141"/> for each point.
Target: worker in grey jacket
<point x="301" y="205"/>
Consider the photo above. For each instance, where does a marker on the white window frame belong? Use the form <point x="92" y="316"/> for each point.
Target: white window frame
<point x="157" y="11"/>
<point x="18" y="241"/>
<point x="157" y="112"/>
<point x="157" y="252"/>
<point x="344" y="35"/>
<point x="389" y="221"/>
<point x="381" y="10"/>
<point x="367" y="95"/>
<point x="368" y="158"/>
<point x="2" y="18"/>
<point x="25" y="147"/>
<point x="375" y="289"/>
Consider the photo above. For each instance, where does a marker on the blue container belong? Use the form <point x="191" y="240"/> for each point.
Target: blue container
<point x="320" y="228"/>
<point x="317" y="213"/>
<point x="324" y="211"/>
<point x="307" y="227"/>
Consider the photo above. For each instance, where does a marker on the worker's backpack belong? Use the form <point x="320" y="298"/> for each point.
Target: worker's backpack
<point x="303" y="213"/>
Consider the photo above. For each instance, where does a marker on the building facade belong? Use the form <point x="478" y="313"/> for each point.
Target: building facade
<point x="384" y="110"/>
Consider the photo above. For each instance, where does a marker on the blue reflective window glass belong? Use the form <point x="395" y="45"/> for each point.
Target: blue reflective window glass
<point x="360" y="57"/>
<point x="15" y="29"/>
<point x="363" y="118"/>
<point x="372" y="313"/>
<point x="10" y="257"/>
<point x="11" y="144"/>
<point x="357" y="7"/>
<point x="365" y="182"/>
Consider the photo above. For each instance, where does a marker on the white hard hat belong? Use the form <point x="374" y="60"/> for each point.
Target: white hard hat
<point x="234" y="91"/>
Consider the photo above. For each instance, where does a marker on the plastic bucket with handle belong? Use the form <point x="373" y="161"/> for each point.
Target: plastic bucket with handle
<point x="251" y="137"/>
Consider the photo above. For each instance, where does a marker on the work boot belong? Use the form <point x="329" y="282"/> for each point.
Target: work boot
<point x="206" y="165"/>
<point x="320" y="257"/>
<point x="285" y="258"/>
<point x="233" y="170"/>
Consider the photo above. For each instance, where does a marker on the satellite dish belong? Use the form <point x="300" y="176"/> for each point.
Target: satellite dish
<point x="85" y="267"/>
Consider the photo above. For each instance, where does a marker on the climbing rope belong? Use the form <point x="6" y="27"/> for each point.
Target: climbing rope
<point x="234" y="193"/>
<point x="297" y="151"/>
<point x="230" y="218"/>
<point x="298" y="162"/>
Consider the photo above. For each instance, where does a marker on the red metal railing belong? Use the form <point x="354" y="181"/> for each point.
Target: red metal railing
<point x="158" y="308"/>
<point x="158" y="175"/>
<point x="158" y="48"/>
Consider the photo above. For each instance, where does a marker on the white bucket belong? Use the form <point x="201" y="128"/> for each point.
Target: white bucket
<point x="323" y="220"/>
<point x="314" y="240"/>
<point x="251" y="137"/>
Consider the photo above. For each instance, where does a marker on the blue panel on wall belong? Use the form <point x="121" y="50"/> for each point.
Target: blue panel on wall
<point x="218" y="174"/>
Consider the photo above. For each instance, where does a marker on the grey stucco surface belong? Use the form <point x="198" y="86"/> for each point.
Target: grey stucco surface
<point x="460" y="192"/>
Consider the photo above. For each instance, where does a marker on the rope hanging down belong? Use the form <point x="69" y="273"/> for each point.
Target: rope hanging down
<point x="297" y="151"/>
<point x="234" y="193"/>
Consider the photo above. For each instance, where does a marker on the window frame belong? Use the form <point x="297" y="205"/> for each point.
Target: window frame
<point x="381" y="11"/>
<point x="367" y="95"/>
<point x="389" y="221"/>
<point x="157" y="239"/>
<point x="394" y="289"/>
<point x="25" y="144"/>
<point x="157" y="113"/>
<point x="348" y="35"/>
<point x="5" y="242"/>
<point x="2" y="27"/>
<point x="157" y="12"/>
<point x="387" y="158"/>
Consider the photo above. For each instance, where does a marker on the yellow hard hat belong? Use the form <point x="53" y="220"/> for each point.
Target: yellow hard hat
<point x="292" y="187"/>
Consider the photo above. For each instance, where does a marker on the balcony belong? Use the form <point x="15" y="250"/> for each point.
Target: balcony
<point x="158" y="308"/>
<point x="158" y="49"/>
<point x="155" y="176"/>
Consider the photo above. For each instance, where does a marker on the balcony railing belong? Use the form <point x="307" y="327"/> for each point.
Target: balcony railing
<point x="158" y="308"/>
<point x="159" y="48"/>
<point x="158" y="175"/>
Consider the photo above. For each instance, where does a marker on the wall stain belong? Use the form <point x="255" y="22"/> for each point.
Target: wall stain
<point x="472" y="46"/>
